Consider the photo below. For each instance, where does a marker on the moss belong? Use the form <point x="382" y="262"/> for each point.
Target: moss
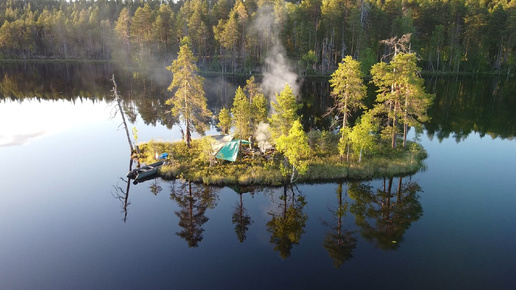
<point x="186" y="164"/>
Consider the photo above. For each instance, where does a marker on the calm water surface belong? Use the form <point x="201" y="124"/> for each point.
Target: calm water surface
<point x="64" y="226"/>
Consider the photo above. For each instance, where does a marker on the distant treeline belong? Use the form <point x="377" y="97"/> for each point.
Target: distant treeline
<point x="231" y="36"/>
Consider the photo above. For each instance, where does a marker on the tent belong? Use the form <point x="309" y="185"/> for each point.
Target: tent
<point x="230" y="150"/>
<point x="219" y="141"/>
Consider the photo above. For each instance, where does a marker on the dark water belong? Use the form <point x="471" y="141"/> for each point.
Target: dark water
<point x="62" y="199"/>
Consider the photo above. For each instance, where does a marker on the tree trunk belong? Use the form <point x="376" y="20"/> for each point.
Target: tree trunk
<point x="188" y="134"/>
<point x="405" y="123"/>
<point x="347" y="155"/>
<point x="344" y="119"/>
<point x="394" y="135"/>
<point x="119" y="101"/>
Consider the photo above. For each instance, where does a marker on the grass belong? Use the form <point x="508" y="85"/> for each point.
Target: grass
<point x="325" y="165"/>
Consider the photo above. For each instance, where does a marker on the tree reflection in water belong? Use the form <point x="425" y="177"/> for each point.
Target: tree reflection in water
<point x="339" y="242"/>
<point x="240" y="218"/>
<point x="391" y="213"/>
<point x="122" y="195"/>
<point x="288" y="223"/>
<point x="194" y="200"/>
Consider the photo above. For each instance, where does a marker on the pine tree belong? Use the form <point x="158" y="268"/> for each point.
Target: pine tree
<point x="241" y="114"/>
<point x="401" y="94"/>
<point x="348" y="88"/>
<point x="188" y="102"/>
<point x="259" y="103"/>
<point x="224" y="120"/>
<point x="123" y="31"/>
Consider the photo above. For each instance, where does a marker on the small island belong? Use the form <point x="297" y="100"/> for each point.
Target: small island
<point x="198" y="164"/>
<point x="272" y="147"/>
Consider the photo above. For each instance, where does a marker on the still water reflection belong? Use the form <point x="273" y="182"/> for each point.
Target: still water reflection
<point x="382" y="213"/>
<point x="70" y="222"/>
<point x="463" y="105"/>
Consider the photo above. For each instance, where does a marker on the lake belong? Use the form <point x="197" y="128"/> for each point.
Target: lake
<point x="69" y="220"/>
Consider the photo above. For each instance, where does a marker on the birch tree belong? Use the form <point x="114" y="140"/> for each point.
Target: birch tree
<point x="295" y="148"/>
<point x="362" y="136"/>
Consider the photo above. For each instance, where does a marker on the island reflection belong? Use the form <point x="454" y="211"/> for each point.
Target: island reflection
<point x="362" y="212"/>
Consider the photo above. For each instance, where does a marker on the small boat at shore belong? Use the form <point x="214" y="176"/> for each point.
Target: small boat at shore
<point x="145" y="172"/>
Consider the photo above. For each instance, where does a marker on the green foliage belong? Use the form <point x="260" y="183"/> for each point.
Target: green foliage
<point x="135" y="135"/>
<point x="401" y="96"/>
<point x="295" y="148"/>
<point x="309" y="60"/>
<point x="348" y="89"/>
<point x="344" y="141"/>
<point x="241" y="114"/>
<point x="260" y="109"/>
<point x="367" y="60"/>
<point x="323" y="142"/>
<point x="363" y="135"/>
<point x="188" y="103"/>
<point x="285" y="113"/>
<point x="259" y="103"/>
<point x="225" y="120"/>
<point x="205" y="150"/>
<point x="453" y="36"/>
<point x="186" y="164"/>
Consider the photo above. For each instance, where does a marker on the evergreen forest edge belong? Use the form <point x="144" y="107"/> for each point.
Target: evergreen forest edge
<point x="137" y="39"/>
<point x="235" y="37"/>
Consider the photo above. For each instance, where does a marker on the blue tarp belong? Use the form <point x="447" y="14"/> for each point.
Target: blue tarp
<point x="230" y="150"/>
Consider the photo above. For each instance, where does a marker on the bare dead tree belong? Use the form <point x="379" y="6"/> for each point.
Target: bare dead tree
<point x="119" y="102"/>
<point x="395" y="45"/>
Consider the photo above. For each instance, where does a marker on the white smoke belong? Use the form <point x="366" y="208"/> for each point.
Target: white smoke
<point x="278" y="72"/>
<point x="262" y="136"/>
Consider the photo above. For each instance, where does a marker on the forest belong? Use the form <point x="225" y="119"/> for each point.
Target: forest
<point x="234" y="37"/>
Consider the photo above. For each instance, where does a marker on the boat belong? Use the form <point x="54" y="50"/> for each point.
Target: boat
<point x="144" y="172"/>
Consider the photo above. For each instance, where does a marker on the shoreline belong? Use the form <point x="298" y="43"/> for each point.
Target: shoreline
<point x="191" y="165"/>
<point x="216" y="73"/>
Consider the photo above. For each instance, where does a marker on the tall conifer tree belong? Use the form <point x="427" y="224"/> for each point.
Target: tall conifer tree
<point x="188" y="102"/>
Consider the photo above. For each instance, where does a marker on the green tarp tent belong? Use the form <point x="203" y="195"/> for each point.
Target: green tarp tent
<point x="230" y="150"/>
